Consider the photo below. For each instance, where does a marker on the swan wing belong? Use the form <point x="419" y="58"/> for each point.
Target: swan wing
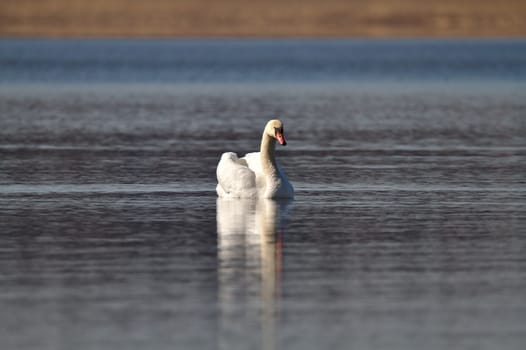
<point x="253" y="161"/>
<point x="234" y="177"/>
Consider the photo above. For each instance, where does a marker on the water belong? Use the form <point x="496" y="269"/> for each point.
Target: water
<point x="222" y="61"/>
<point x="407" y="230"/>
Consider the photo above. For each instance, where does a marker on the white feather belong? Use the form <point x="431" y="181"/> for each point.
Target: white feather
<point x="234" y="177"/>
<point x="252" y="176"/>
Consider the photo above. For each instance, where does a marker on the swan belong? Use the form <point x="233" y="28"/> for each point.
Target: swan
<point x="258" y="174"/>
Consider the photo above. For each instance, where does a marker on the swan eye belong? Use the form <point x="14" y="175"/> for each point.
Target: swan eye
<point x="278" y="130"/>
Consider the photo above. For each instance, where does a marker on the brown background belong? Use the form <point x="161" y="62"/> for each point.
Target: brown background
<point x="263" y="18"/>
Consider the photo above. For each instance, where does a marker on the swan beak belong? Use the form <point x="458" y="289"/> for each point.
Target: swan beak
<point x="281" y="139"/>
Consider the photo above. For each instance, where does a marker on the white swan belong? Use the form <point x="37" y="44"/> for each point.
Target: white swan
<point x="258" y="174"/>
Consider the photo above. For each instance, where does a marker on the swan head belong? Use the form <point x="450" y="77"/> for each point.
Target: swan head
<point x="274" y="129"/>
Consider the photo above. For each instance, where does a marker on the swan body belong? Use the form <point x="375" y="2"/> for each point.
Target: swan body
<point x="258" y="174"/>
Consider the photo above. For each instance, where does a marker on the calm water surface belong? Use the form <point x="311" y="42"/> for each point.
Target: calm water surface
<point x="408" y="229"/>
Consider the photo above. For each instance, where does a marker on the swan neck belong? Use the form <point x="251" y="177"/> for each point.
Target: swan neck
<point x="267" y="150"/>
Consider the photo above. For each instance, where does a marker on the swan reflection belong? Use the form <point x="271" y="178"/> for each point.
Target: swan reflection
<point x="249" y="246"/>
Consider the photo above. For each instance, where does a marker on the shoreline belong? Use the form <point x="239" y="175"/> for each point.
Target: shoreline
<point x="260" y="19"/>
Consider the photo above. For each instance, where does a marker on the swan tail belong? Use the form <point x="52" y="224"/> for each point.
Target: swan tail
<point x="234" y="178"/>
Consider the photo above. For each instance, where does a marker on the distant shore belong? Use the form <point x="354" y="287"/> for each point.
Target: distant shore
<point x="271" y="18"/>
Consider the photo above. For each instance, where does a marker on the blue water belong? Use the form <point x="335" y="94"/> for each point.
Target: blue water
<point x="223" y="61"/>
<point x="407" y="230"/>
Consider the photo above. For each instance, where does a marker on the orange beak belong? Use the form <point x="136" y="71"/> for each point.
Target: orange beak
<point x="281" y="139"/>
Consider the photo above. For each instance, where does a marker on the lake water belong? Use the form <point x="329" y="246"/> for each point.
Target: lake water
<point x="408" y="229"/>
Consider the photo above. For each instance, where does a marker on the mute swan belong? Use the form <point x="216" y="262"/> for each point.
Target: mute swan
<point x="258" y="174"/>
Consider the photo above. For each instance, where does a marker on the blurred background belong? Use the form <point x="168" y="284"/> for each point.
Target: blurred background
<point x="270" y="18"/>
